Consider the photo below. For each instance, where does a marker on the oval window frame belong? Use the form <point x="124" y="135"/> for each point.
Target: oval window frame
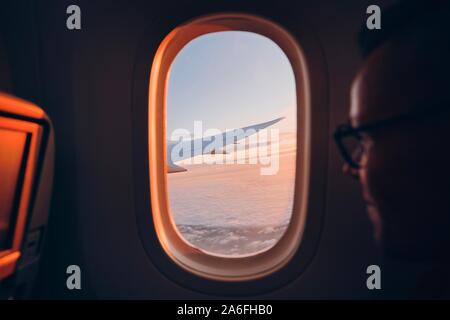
<point x="184" y="255"/>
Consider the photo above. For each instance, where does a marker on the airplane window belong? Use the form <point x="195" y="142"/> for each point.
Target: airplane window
<point x="231" y="142"/>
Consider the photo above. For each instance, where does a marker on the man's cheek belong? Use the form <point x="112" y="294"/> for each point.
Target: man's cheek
<point x="384" y="171"/>
<point x="387" y="184"/>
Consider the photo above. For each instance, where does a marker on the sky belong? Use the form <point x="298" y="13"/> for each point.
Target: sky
<point x="228" y="80"/>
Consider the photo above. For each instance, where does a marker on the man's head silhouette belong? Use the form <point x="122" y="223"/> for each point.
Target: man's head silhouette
<point x="399" y="133"/>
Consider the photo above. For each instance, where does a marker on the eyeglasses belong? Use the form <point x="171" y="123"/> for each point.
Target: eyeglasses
<point x="349" y="138"/>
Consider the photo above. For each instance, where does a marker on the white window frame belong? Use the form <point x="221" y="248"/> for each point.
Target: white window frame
<point x="179" y="250"/>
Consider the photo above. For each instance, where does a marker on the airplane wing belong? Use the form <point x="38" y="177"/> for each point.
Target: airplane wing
<point x="172" y="167"/>
<point x="193" y="145"/>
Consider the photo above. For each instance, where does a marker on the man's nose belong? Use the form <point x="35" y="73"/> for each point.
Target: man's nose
<point x="347" y="169"/>
<point x="352" y="172"/>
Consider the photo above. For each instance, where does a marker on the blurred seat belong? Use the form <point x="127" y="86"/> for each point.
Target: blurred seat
<point x="26" y="172"/>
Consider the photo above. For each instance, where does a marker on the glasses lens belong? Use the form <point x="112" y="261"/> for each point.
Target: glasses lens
<point x="353" y="149"/>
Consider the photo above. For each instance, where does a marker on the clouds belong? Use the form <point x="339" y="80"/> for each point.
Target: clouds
<point x="232" y="241"/>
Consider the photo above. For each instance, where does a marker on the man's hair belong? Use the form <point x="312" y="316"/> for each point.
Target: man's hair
<point x="401" y="18"/>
